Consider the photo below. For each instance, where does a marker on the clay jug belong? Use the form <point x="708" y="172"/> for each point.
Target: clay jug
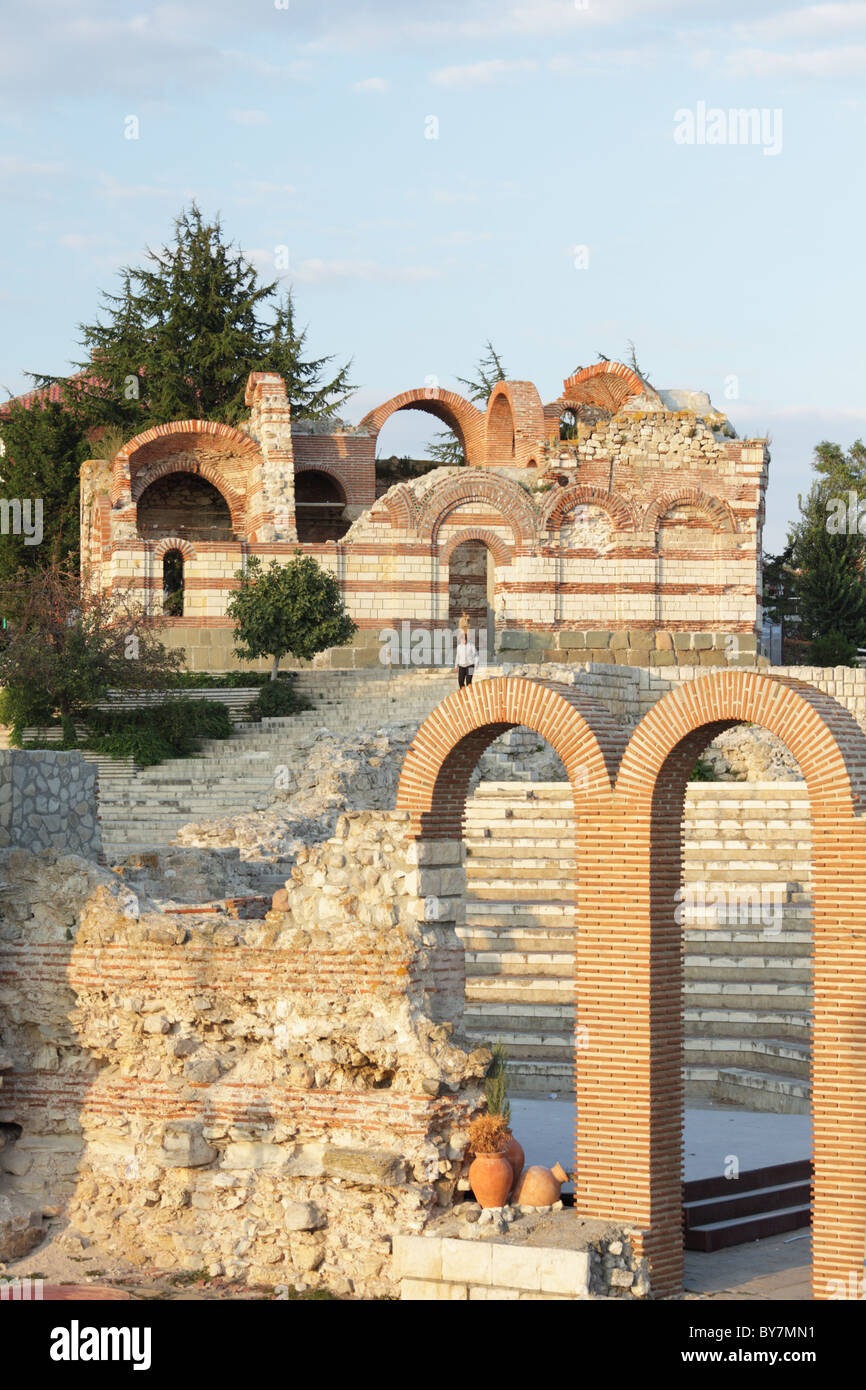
<point x="540" y="1187"/>
<point x="491" y="1178"/>
<point x="516" y="1157"/>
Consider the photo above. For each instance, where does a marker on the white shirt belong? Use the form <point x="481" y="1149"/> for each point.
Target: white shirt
<point x="466" y="654"/>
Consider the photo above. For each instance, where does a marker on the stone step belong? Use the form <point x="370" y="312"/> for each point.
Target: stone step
<point x="776" y="1055"/>
<point x="753" y="1090"/>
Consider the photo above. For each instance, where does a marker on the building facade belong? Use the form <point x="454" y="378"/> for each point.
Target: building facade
<point x="616" y="521"/>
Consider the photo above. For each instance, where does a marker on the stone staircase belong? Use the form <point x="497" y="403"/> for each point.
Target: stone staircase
<point x="143" y="808"/>
<point x="746" y="993"/>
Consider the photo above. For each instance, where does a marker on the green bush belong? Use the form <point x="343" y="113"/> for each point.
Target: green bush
<point x="275" y="700"/>
<point x="832" y="649"/>
<point x="20" y="707"/>
<point x="220" y="680"/>
<point x="171" y="729"/>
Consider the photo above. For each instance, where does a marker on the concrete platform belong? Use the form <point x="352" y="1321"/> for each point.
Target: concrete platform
<point x="713" y="1132"/>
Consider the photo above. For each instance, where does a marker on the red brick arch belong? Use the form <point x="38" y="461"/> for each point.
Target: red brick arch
<point x="475" y="485"/>
<point x="500" y="550"/>
<point x="123" y="467"/>
<point x="173" y="543"/>
<point x="714" y="508"/>
<point x="563" y="502"/>
<point x="605" y="384"/>
<point x="628" y="821"/>
<point x="459" y="414"/>
<point x="514" y="424"/>
<point x="438" y="766"/>
<point x="200" y="469"/>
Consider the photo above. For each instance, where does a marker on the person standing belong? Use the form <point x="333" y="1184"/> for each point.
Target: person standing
<point x="466" y="659"/>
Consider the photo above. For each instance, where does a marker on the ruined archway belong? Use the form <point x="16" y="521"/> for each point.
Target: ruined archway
<point x="183" y="504"/>
<point x="454" y="411"/>
<point x="629" y="967"/>
<point x="320" y="506"/>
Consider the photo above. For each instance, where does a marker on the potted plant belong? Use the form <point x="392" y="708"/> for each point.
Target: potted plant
<point x="496" y="1089"/>
<point x="491" y="1176"/>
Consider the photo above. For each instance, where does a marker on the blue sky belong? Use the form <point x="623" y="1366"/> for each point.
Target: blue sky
<point x="732" y="270"/>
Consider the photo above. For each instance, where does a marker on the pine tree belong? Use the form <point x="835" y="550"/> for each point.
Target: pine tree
<point x="43" y="449"/>
<point x="447" y="449"/>
<point x="181" y="337"/>
<point x="828" y="566"/>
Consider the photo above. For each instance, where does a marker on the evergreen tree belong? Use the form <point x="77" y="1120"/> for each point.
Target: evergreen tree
<point x="447" y="449"/>
<point x="43" y="449"/>
<point x="181" y="337"/>
<point x="828" y="566"/>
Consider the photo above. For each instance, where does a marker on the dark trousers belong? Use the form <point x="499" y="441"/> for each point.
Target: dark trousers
<point x="464" y="676"/>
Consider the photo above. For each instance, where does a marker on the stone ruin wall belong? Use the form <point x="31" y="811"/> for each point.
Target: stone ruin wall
<point x="48" y="801"/>
<point x="268" y="1099"/>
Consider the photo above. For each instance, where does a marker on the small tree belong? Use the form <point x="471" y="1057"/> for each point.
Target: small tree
<point x="447" y="450"/>
<point x="287" y="610"/>
<point x="68" y="644"/>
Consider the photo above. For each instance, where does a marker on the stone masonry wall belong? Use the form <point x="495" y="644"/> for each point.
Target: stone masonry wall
<point x="267" y="1099"/>
<point x="48" y="801"/>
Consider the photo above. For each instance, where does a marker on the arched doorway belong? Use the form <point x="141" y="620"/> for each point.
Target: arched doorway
<point x="184" y="505"/>
<point x="628" y="809"/>
<point x="172" y="584"/>
<point x="320" y="507"/>
<point x="471" y="590"/>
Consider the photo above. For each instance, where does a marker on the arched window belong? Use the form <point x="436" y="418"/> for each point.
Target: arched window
<point x="172" y="584"/>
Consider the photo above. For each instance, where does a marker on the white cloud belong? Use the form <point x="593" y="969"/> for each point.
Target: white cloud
<point x="319" y="272"/>
<point x="13" y="166"/>
<point x="446" y="197"/>
<point x="479" y="74"/>
<point x="82" y="241"/>
<point x="847" y="61"/>
<point x="370" y="84"/>
<point x="809" y="21"/>
<point x="248" y="117"/>
<point x="113" y="188"/>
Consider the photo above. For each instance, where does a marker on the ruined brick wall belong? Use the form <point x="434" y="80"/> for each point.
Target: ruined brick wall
<point x="269" y="1099"/>
<point x="636" y="540"/>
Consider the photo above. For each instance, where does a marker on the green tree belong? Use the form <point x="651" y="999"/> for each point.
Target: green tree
<point x="43" y="449"/>
<point x="181" y="336"/>
<point x="447" y="449"/>
<point x="287" y="610"/>
<point x="828" y="570"/>
<point x="67" y="644"/>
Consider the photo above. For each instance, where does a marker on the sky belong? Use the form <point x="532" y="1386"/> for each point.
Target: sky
<point x="550" y="174"/>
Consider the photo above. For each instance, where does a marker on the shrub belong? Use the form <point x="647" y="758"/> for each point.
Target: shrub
<point x="171" y="729"/>
<point x="496" y="1084"/>
<point x="275" y="700"/>
<point x="832" y="649"/>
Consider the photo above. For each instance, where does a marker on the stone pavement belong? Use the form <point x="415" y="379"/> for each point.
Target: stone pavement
<point x="775" y="1268"/>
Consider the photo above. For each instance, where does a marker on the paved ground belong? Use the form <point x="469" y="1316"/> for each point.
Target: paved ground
<point x="776" y="1268"/>
<point x="713" y="1132"/>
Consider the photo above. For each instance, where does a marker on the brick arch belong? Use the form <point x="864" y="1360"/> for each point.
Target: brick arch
<point x="514" y="423"/>
<point x="605" y="384"/>
<point x="564" y="501"/>
<point x="714" y="508"/>
<point x="460" y="415"/>
<point x="123" y="467"/>
<point x="200" y="469"/>
<point x="633" y="927"/>
<point x="401" y="505"/>
<point x="475" y="485"/>
<point x="438" y="766"/>
<point x="501" y="551"/>
<point x="162" y="548"/>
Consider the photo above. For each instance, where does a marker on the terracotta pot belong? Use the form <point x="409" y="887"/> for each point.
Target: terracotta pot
<point x="516" y="1157"/>
<point x="491" y="1178"/>
<point x="540" y="1187"/>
